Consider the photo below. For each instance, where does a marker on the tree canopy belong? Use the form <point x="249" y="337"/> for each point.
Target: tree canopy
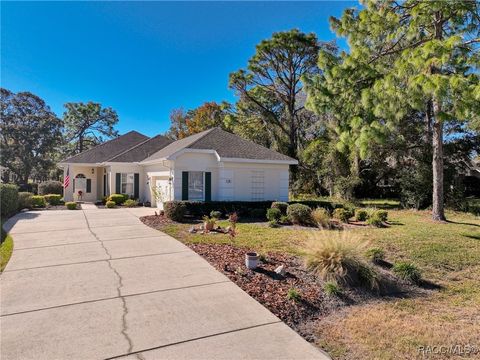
<point x="30" y="134"/>
<point x="87" y="125"/>
<point x="405" y="57"/>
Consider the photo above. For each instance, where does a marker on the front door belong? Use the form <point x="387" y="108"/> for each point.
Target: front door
<point x="162" y="192"/>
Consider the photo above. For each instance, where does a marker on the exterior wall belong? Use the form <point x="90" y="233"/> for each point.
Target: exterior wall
<point x="113" y="169"/>
<point x="234" y="180"/>
<point x="90" y="172"/>
<point x="195" y="162"/>
<point x="231" y="181"/>
<point x="237" y="181"/>
<point x="158" y="172"/>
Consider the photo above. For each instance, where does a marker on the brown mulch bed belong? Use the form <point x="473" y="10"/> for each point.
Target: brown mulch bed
<point x="271" y="289"/>
<point x="155" y="222"/>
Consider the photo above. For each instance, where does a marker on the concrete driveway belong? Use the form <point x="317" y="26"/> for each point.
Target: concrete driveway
<point x="98" y="284"/>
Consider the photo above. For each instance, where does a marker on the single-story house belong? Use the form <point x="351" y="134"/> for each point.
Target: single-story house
<point x="213" y="165"/>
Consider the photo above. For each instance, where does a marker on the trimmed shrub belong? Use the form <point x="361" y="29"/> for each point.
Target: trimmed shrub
<point x="284" y="219"/>
<point x="216" y="214"/>
<point x="407" y="271"/>
<point x="175" y="210"/>
<point x="361" y="214"/>
<point x="110" y="204"/>
<point x="331" y="288"/>
<point x="24" y="200"/>
<point x="342" y="215"/>
<point x="273" y="224"/>
<point x="50" y="187"/>
<point x="274" y="214"/>
<point x="375" y="220"/>
<point x="8" y="199"/>
<point x="257" y="214"/>
<point x="375" y="254"/>
<point x="382" y="215"/>
<point x="130" y="203"/>
<point x="53" y="199"/>
<point x="38" y="201"/>
<point x="282" y="206"/>
<point x="71" y="205"/>
<point x="300" y="214"/>
<point x="119" y="199"/>
<point x="321" y="217"/>
<point x="313" y="204"/>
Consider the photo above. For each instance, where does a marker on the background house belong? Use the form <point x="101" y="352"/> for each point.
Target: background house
<point x="213" y="165"/>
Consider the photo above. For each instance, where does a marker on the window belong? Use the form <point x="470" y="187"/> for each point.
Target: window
<point x="195" y="186"/>
<point x="258" y="185"/>
<point x="126" y="183"/>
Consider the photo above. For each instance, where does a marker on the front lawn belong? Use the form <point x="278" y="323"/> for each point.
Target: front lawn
<point x="444" y="313"/>
<point x="6" y="248"/>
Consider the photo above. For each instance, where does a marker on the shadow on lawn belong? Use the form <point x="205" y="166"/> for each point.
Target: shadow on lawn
<point x="462" y="223"/>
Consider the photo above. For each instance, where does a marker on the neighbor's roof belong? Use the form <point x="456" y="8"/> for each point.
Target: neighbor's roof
<point x="108" y="149"/>
<point x="227" y="145"/>
<point x="142" y="150"/>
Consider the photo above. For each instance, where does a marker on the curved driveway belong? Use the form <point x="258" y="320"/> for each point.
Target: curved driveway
<point x="99" y="284"/>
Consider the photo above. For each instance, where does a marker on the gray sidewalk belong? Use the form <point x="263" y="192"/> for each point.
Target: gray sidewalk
<point x="98" y="284"/>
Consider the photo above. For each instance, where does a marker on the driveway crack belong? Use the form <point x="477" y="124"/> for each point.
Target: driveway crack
<point x="119" y="289"/>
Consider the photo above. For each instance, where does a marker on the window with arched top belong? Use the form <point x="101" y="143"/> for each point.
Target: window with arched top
<point x="80" y="176"/>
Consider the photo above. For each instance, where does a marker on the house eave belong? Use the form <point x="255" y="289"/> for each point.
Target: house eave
<point x="259" y="161"/>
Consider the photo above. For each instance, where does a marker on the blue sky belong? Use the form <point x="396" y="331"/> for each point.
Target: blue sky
<point x="143" y="59"/>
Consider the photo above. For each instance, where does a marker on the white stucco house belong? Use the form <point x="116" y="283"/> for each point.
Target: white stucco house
<point x="214" y="165"/>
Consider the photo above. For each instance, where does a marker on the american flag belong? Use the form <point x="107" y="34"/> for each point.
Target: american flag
<point x="66" y="181"/>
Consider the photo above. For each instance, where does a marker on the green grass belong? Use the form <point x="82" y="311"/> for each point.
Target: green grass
<point x="6" y="248"/>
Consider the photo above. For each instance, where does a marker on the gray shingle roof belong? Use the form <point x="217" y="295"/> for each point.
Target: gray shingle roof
<point x="142" y="150"/>
<point x="226" y="144"/>
<point x="108" y="149"/>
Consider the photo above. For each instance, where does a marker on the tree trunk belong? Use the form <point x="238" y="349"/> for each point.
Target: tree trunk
<point x="438" y="212"/>
<point x="80" y="144"/>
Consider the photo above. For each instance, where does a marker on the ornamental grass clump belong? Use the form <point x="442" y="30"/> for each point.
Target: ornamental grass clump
<point x="375" y="254"/>
<point x="361" y="214"/>
<point x="407" y="271"/>
<point x="337" y="257"/>
<point x="110" y="204"/>
<point x="342" y="214"/>
<point x="321" y="217"/>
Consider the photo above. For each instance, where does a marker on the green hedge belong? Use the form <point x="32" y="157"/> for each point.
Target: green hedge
<point x="313" y="204"/>
<point x="9" y="199"/>
<point x="242" y="208"/>
<point x="245" y="208"/>
<point x="38" y="201"/>
<point x="53" y="199"/>
<point x="119" y="199"/>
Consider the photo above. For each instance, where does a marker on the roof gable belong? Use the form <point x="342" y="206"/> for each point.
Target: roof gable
<point x="228" y="145"/>
<point x="108" y="149"/>
<point x="142" y="150"/>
